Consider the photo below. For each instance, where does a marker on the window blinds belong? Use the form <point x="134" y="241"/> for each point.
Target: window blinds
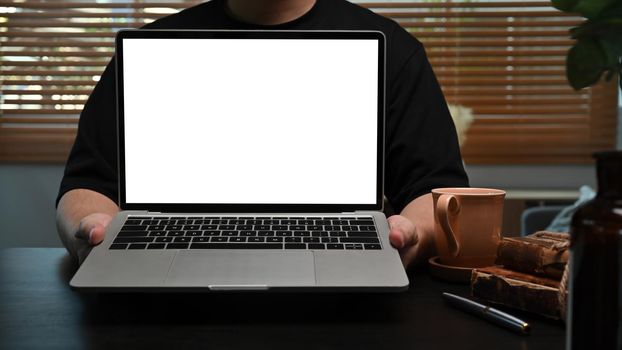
<point x="503" y="59"/>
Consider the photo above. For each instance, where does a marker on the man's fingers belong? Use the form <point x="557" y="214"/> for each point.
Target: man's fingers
<point x="93" y="227"/>
<point x="402" y="232"/>
<point x="97" y="235"/>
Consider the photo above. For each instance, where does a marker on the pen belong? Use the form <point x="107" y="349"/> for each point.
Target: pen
<point x="488" y="313"/>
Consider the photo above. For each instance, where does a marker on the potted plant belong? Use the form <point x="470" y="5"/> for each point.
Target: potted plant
<point x="598" y="46"/>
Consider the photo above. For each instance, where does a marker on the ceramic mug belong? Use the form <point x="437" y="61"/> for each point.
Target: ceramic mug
<point x="468" y="225"/>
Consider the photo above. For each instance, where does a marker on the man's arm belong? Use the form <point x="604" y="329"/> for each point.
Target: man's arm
<point x="81" y="218"/>
<point x="412" y="232"/>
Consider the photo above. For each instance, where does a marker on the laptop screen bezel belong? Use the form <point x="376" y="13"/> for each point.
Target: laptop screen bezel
<point x="249" y="34"/>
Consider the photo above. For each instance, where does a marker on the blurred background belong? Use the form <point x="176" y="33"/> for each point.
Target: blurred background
<point x="501" y="65"/>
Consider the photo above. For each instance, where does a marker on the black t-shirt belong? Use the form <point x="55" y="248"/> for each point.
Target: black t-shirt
<point x="421" y="151"/>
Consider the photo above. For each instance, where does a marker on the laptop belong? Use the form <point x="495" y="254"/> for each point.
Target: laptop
<point x="248" y="160"/>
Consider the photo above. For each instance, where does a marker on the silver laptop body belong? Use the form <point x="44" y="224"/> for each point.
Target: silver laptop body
<point x="248" y="160"/>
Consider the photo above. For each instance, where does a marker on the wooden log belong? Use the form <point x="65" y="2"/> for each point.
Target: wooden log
<point x="542" y="253"/>
<point x="517" y="290"/>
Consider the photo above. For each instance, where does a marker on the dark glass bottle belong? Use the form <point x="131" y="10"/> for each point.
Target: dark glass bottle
<point x="595" y="294"/>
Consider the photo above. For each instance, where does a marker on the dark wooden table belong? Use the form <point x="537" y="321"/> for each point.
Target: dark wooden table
<point x="38" y="310"/>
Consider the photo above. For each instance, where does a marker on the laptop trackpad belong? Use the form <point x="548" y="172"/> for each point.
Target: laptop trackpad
<point x="239" y="269"/>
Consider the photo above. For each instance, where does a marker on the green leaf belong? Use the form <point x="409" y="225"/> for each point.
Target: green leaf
<point x="592" y="8"/>
<point x="612" y="11"/>
<point x="612" y="49"/>
<point x="585" y="63"/>
<point x="565" y="5"/>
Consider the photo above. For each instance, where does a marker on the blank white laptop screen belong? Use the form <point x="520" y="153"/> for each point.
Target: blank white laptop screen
<point x="250" y="121"/>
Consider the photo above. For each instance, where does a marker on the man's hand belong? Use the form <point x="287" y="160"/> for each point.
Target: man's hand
<point x="404" y="237"/>
<point x="412" y="232"/>
<point x="82" y="217"/>
<point x="91" y="232"/>
<point x="93" y="228"/>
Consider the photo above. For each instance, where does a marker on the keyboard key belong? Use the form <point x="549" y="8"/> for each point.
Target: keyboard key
<point x="265" y="233"/>
<point x="177" y="246"/>
<point x="349" y="228"/>
<point x="182" y="239"/>
<point x="194" y="233"/>
<point x="156" y="246"/>
<point x="358" y="240"/>
<point x="316" y="246"/>
<point x="218" y="239"/>
<point x="133" y="234"/>
<point x="191" y="227"/>
<point x="175" y="233"/>
<point x="157" y="233"/>
<point x="118" y="246"/>
<point x="174" y="227"/>
<point x="322" y="222"/>
<point x="302" y="233"/>
<point x="354" y="246"/>
<point x="284" y="233"/>
<point x="314" y="228"/>
<point x="211" y="233"/>
<point x="334" y="246"/>
<point x="184" y="222"/>
<point x="237" y="239"/>
<point x="209" y="227"/>
<point x="337" y="234"/>
<point x="132" y="222"/>
<point x="274" y="239"/>
<point x="151" y="222"/>
<point x="362" y="222"/>
<point x="372" y="246"/>
<point x="226" y="227"/>
<point x="244" y="227"/>
<point x="305" y="222"/>
<point x="248" y="233"/>
<point x="156" y="227"/>
<point x="137" y="246"/>
<point x="236" y="246"/>
<point x="134" y="228"/>
<point x="133" y="240"/>
<point x="296" y="227"/>
<point x="200" y="239"/>
<point x="330" y="240"/>
<point x="261" y="227"/>
<point x="279" y="227"/>
<point x="367" y="228"/>
<point x="256" y="239"/>
<point x="362" y="234"/>
<point x="293" y="239"/>
<point x="339" y="222"/>
<point x="229" y="233"/>
<point x="164" y="239"/>
<point x="319" y="234"/>
<point x="295" y="246"/>
<point x="311" y="239"/>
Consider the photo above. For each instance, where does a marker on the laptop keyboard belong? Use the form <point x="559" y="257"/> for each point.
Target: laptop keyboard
<point x="313" y="233"/>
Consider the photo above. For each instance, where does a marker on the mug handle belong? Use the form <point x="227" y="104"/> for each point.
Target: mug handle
<point x="448" y="205"/>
